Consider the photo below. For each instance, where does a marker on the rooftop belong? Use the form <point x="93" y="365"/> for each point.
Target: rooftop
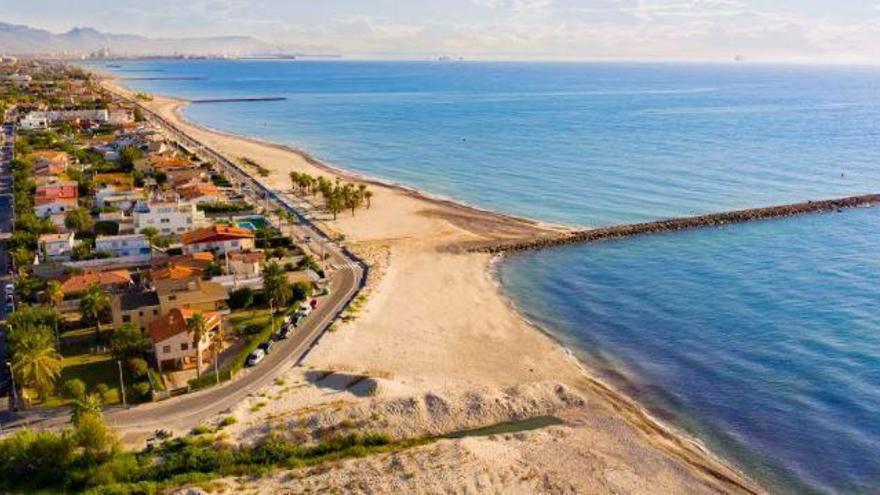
<point x="174" y="322"/>
<point x="215" y="233"/>
<point x="76" y="284"/>
<point x="246" y="256"/>
<point x="134" y="300"/>
<point x="56" y="237"/>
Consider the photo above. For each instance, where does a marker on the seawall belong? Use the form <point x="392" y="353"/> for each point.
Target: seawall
<point x="681" y="223"/>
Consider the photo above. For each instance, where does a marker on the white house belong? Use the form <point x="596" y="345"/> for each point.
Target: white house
<point x="123" y="245"/>
<point x="217" y="238"/>
<point x="58" y="247"/>
<point x="173" y="342"/>
<point x="169" y="218"/>
<point x="41" y="119"/>
<point x="57" y="206"/>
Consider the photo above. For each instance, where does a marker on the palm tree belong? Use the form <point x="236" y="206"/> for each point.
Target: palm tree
<point x="55" y="296"/>
<point x="23" y="258"/>
<point x="94" y="306"/>
<point x="151" y="233"/>
<point x="198" y="325"/>
<point x="275" y="285"/>
<point x="36" y="363"/>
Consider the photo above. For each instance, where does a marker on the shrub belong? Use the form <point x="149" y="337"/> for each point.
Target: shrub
<point x="138" y="367"/>
<point x="241" y="298"/>
<point x="201" y="429"/>
<point x="74" y="388"/>
<point x="106" y="227"/>
<point x="227" y="421"/>
<point x="141" y="390"/>
<point x="103" y="391"/>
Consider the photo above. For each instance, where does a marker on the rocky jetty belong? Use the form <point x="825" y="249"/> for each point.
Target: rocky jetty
<point x="682" y="223"/>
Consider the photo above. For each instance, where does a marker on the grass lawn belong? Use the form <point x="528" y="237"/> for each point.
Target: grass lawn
<point x="79" y="362"/>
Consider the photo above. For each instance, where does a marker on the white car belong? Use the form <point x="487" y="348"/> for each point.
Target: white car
<point x="304" y="309"/>
<point x="10" y="289"/>
<point x="255" y="357"/>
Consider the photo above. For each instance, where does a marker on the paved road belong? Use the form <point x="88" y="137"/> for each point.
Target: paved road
<point x="186" y="411"/>
<point x="6" y="219"/>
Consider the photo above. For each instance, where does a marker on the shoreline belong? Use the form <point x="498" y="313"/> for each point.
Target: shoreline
<point x="372" y="180"/>
<point x="667" y="437"/>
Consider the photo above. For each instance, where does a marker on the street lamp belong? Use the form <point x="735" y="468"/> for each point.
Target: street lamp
<point x="121" y="384"/>
<point x="14" y="392"/>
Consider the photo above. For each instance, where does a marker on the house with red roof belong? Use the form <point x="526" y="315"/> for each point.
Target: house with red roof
<point x="200" y="192"/>
<point x="110" y="281"/>
<point x="175" y="344"/>
<point x="217" y="238"/>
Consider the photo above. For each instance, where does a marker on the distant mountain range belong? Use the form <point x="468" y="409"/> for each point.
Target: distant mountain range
<point x="25" y="40"/>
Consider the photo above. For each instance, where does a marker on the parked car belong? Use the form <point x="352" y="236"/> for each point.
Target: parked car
<point x="267" y="346"/>
<point x="255" y="357"/>
<point x="304" y="309"/>
<point x="314" y="303"/>
<point x="298" y="319"/>
<point x="10" y="289"/>
<point x="284" y="332"/>
<point x="10" y="307"/>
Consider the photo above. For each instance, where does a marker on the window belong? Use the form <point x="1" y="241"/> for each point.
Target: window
<point x="166" y="349"/>
<point x="172" y="297"/>
<point x="140" y="313"/>
<point x="126" y="318"/>
<point x="184" y="346"/>
<point x="155" y="312"/>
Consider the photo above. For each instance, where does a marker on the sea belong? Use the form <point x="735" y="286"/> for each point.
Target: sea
<point x="762" y="340"/>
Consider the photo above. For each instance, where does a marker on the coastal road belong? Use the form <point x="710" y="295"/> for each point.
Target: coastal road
<point x="6" y="220"/>
<point x="185" y="411"/>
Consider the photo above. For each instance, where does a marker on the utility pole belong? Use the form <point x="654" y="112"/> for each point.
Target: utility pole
<point x="121" y="385"/>
<point x="217" y="357"/>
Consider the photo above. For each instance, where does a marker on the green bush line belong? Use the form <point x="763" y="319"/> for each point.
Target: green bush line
<point x="179" y="462"/>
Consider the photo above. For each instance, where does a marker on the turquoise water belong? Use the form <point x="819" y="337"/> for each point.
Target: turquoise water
<point x="761" y="339"/>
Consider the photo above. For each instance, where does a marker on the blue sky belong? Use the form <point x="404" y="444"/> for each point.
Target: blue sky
<point x="803" y="30"/>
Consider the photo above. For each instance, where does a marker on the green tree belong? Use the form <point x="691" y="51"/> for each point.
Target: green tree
<point x="79" y="220"/>
<point x="198" y="325"/>
<point x="82" y="251"/>
<point x="152" y="234"/>
<point x="23" y="258"/>
<point x="74" y="388"/>
<point x="85" y="404"/>
<point x="128" y="341"/>
<point x="241" y="299"/>
<point x="94" y="306"/>
<point x="275" y="285"/>
<point x="35" y="363"/>
<point x="54" y="294"/>
<point x="92" y="435"/>
<point x="128" y="155"/>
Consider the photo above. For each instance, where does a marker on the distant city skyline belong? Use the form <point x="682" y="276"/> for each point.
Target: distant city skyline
<point x="795" y="30"/>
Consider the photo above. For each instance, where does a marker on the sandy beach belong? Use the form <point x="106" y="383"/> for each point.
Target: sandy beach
<point x="435" y="347"/>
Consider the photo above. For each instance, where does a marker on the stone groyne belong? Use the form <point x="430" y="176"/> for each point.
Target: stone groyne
<point x="240" y="100"/>
<point x="682" y="223"/>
